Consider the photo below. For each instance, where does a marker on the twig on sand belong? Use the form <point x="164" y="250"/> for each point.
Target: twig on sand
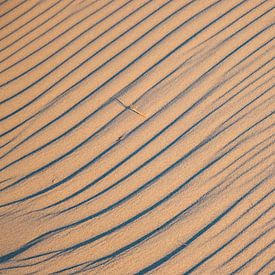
<point x="132" y="108"/>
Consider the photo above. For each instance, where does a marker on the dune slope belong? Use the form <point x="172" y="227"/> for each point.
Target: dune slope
<point x="136" y="136"/>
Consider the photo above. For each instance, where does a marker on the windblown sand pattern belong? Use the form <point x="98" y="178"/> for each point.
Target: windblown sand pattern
<point x="136" y="136"/>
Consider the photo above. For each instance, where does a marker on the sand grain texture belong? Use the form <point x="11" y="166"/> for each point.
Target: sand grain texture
<point x="136" y="136"/>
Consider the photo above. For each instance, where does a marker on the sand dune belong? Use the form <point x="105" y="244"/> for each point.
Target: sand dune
<point x="136" y="136"/>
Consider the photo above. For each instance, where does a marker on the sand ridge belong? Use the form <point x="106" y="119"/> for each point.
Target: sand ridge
<point x="136" y="137"/>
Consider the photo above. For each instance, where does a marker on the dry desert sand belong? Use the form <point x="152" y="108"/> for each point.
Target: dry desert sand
<point x="136" y="136"/>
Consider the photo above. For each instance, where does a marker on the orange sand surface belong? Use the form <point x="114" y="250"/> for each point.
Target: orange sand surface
<point x="136" y="136"/>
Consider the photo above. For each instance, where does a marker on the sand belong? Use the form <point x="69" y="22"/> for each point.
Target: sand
<point x="136" y="137"/>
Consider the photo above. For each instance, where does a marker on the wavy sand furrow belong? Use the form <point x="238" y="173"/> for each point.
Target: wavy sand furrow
<point x="136" y="137"/>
